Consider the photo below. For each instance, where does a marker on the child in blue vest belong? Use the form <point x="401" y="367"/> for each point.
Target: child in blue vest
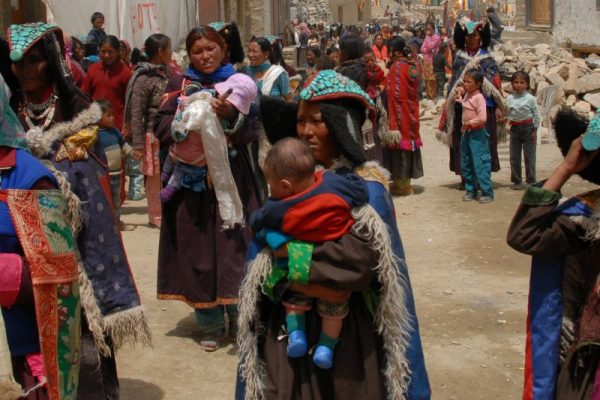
<point x="116" y="149"/>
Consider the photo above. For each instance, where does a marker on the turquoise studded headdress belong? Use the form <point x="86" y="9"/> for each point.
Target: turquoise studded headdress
<point x="22" y="37"/>
<point x="272" y="39"/>
<point x="472" y="26"/>
<point x="330" y="85"/>
<point x="218" y="26"/>
<point x="591" y="137"/>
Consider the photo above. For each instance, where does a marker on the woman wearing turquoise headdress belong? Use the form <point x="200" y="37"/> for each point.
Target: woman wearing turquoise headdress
<point x="61" y="131"/>
<point x="379" y="355"/>
<point x="234" y="51"/>
<point x="19" y="333"/>
<point x="473" y="39"/>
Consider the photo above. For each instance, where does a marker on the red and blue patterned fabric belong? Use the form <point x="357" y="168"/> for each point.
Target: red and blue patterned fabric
<point x="320" y="213"/>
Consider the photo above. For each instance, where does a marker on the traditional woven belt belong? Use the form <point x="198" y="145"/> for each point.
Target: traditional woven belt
<point x="520" y="123"/>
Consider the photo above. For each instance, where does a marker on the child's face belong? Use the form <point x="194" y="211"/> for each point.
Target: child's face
<point x="335" y="57"/>
<point x="107" y="120"/>
<point x="98" y="23"/>
<point x="78" y="52"/>
<point x="470" y="85"/>
<point x="519" y="85"/>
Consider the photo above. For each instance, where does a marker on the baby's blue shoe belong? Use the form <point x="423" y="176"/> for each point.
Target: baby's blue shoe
<point x="323" y="357"/>
<point x="297" y="345"/>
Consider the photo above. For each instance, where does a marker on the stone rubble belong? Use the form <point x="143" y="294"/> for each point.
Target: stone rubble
<point x="578" y="79"/>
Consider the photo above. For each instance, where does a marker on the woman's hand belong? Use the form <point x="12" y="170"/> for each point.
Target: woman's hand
<point x="575" y="161"/>
<point x="281" y="252"/>
<point x="126" y="132"/>
<point x="224" y="109"/>
<point x="500" y="117"/>
<point x="578" y="158"/>
<point x="460" y="92"/>
<point x="137" y="154"/>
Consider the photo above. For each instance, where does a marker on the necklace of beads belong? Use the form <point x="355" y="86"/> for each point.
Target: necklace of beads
<point x="40" y="112"/>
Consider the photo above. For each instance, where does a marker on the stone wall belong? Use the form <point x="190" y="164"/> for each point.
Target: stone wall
<point x="250" y="16"/>
<point x="350" y="11"/>
<point x="521" y="14"/>
<point x="312" y="11"/>
<point x="256" y="11"/>
<point x="256" y="17"/>
<point x="576" y="23"/>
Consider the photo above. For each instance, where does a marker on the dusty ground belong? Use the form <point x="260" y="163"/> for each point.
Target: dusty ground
<point x="470" y="289"/>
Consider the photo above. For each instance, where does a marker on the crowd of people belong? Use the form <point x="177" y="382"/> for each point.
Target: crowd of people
<point x="272" y="188"/>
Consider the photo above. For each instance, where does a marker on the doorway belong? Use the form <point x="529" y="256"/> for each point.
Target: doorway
<point x="26" y="11"/>
<point x="277" y="16"/>
<point x="540" y="12"/>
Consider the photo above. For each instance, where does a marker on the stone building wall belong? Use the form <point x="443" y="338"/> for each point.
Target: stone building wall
<point x="521" y="14"/>
<point x="576" y="23"/>
<point x="312" y="11"/>
<point x="257" y="17"/>
<point x="350" y="12"/>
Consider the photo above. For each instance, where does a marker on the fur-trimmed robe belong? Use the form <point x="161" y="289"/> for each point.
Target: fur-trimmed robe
<point x="109" y="294"/>
<point x="379" y="355"/>
<point x="449" y="127"/>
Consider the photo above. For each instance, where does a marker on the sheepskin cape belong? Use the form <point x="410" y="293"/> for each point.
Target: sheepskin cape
<point x="108" y="293"/>
<point x="380" y="329"/>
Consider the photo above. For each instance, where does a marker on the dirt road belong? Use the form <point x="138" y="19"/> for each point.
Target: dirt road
<point x="470" y="289"/>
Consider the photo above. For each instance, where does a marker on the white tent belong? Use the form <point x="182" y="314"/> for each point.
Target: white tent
<point x="132" y="20"/>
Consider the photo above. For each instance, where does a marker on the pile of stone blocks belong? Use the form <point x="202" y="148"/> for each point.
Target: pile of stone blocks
<point x="312" y="11"/>
<point x="578" y="79"/>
